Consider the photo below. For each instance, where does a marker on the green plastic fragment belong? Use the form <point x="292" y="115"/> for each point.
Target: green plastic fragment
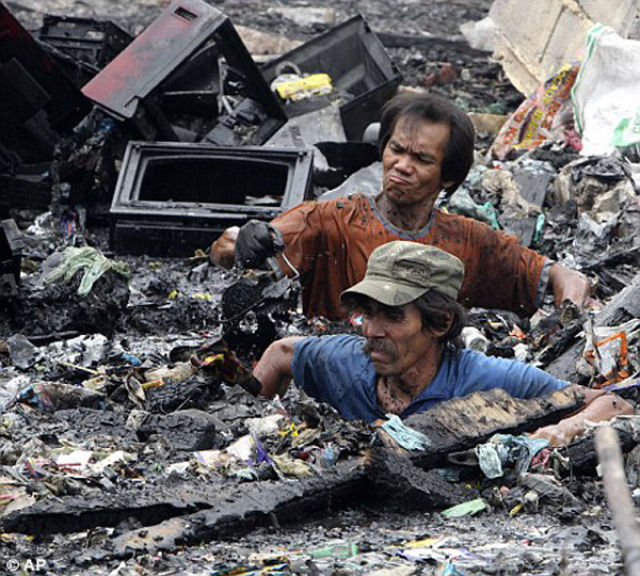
<point x="491" y="214"/>
<point x="339" y="550"/>
<point x="461" y="202"/>
<point x="94" y="264"/>
<point x="465" y="508"/>
<point x="540" y="222"/>
<point x="406" y="437"/>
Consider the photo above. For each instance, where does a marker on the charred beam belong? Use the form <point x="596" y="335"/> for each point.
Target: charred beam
<point x="462" y="423"/>
<point x="72" y="514"/>
<point x="237" y="509"/>
<point x="403" y="484"/>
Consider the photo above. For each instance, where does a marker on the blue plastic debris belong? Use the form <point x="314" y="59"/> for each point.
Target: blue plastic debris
<point x="406" y="437"/>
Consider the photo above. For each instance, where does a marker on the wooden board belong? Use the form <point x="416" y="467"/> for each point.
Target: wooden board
<point x="462" y="423"/>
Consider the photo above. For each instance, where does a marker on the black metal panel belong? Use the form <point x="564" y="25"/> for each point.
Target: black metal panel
<point x="172" y="198"/>
<point x="82" y="46"/>
<point x="95" y="42"/>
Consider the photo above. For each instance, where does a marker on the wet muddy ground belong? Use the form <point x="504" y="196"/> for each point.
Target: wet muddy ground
<point x="173" y="307"/>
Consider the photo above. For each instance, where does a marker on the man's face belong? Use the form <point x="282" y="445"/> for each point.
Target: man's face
<point x="395" y="338"/>
<point x="412" y="162"/>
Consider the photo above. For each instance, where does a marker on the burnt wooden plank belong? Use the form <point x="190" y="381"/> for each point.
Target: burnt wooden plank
<point x="177" y="512"/>
<point x="382" y="476"/>
<point x="462" y="423"/>
<point x="239" y="508"/>
<point x="74" y="513"/>
<point x="170" y="497"/>
<point x="623" y="306"/>
<point x="451" y="426"/>
<point x="397" y="481"/>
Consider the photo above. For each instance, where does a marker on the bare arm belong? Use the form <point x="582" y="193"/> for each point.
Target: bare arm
<point x="273" y="370"/>
<point x="223" y="250"/>
<point x="568" y="284"/>
<point x="598" y="407"/>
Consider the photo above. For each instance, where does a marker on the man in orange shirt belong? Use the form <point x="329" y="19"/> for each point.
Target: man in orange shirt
<point x="427" y="146"/>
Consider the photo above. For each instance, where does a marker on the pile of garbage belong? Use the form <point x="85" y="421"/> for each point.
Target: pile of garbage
<point x="131" y="437"/>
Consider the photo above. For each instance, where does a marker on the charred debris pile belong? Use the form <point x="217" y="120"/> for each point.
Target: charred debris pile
<point x="128" y="424"/>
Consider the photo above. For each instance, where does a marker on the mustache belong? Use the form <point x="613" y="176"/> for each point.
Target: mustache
<point x="381" y="346"/>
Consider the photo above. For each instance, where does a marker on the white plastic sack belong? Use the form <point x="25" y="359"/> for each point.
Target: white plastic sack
<point x="606" y="94"/>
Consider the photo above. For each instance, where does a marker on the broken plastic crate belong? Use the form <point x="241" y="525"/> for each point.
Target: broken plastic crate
<point x="363" y="75"/>
<point x="172" y="198"/>
<point x="37" y="100"/>
<point x="186" y="74"/>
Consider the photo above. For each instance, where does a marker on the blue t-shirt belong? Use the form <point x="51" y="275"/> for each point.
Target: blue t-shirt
<point x="336" y="370"/>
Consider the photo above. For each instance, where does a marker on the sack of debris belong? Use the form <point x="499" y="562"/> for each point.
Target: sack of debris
<point x="605" y="93"/>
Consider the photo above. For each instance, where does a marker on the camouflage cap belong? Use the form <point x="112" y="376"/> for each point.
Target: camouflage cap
<point x="399" y="272"/>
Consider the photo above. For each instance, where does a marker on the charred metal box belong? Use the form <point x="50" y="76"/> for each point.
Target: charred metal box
<point x="172" y="198"/>
<point x="362" y="74"/>
<point x="187" y="75"/>
<point x="37" y="100"/>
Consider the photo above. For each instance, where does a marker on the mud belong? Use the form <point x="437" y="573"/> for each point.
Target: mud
<point x="155" y="510"/>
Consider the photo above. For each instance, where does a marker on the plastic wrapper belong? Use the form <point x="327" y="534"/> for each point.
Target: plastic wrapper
<point x="545" y="115"/>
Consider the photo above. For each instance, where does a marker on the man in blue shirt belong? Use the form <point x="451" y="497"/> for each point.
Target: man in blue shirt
<point x="408" y="358"/>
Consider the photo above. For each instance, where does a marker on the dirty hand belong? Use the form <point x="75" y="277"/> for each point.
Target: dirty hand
<point x="598" y="406"/>
<point x="557" y="434"/>
<point x="256" y="242"/>
<point x="223" y="250"/>
<point x="569" y="284"/>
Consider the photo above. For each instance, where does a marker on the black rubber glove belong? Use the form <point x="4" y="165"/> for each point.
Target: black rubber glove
<point x="256" y="242"/>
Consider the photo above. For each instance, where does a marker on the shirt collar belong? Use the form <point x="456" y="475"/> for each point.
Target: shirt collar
<point x="406" y="234"/>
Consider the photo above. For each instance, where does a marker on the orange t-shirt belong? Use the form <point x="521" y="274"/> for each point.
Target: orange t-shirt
<point x="329" y="244"/>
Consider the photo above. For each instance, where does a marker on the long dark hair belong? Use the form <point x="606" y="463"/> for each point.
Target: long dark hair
<point x="438" y="310"/>
<point x="414" y="107"/>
